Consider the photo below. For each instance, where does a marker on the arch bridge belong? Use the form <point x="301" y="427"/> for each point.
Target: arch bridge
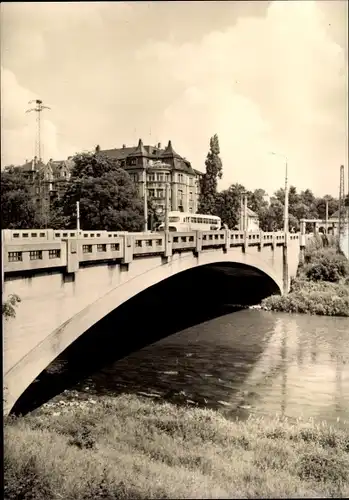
<point x="68" y="281"/>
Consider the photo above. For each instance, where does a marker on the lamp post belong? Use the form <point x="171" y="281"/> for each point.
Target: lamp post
<point x="167" y="187"/>
<point x="77" y="216"/>
<point x="286" y="215"/>
<point x="285" y="273"/>
<point x="145" y="200"/>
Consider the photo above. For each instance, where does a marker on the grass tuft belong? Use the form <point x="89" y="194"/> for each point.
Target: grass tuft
<point x="129" y="447"/>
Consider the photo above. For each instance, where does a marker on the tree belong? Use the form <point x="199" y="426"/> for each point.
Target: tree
<point x="257" y="202"/>
<point x="209" y="181"/>
<point x="107" y="195"/>
<point x="272" y="219"/>
<point x="228" y="205"/>
<point x="320" y="203"/>
<point x="17" y="206"/>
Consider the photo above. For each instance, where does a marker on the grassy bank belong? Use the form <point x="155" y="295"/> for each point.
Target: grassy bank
<point x="321" y="286"/>
<point x="133" y="448"/>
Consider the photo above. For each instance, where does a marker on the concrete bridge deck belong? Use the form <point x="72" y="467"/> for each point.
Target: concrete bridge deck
<point x="68" y="282"/>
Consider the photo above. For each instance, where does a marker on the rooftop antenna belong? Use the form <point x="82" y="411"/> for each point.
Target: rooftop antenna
<point x="39" y="107"/>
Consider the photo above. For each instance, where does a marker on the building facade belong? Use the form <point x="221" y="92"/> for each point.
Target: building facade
<point x="46" y="181"/>
<point x="152" y="167"/>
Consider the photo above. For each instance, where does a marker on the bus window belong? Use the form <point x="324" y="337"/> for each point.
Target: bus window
<point x="174" y="219"/>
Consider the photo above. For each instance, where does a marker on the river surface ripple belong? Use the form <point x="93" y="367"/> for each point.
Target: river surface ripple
<point x="241" y="363"/>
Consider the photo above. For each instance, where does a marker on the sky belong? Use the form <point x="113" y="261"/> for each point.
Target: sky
<point x="265" y="76"/>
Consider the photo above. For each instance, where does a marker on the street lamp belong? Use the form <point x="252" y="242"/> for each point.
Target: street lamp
<point x="145" y="200"/>
<point x="286" y="228"/>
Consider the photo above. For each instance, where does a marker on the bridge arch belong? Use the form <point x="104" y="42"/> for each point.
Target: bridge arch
<point x="23" y="373"/>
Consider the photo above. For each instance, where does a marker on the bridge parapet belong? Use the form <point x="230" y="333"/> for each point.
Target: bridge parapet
<point x="49" y="250"/>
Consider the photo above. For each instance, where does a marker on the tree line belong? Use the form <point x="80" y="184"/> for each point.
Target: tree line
<point x="109" y="199"/>
<point x="226" y="203"/>
<point x="107" y="195"/>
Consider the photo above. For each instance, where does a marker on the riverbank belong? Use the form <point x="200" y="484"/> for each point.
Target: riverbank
<point x="128" y="447"/>
<point x="321" y="286"/>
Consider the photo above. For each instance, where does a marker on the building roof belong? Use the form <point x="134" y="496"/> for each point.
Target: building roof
<point x="251" y="213"/>
<point x="139" y="150"/>
<point x="170" y="152"/>
<point x="32" y="165"/>
<point x="151" y="153"/>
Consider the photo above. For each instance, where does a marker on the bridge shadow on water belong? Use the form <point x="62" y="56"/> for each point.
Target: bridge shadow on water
<point x="182" y="301"/>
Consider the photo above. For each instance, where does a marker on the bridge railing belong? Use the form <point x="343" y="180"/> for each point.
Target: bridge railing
<point x="48" y="250"/>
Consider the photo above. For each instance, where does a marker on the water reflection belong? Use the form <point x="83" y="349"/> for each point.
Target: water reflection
<point x="249" y="361"/>
<point x="243" y="362"/>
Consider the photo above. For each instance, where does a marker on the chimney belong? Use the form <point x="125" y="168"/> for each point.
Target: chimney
<point x="123" y="146"/>
<point x="159" y="145"/>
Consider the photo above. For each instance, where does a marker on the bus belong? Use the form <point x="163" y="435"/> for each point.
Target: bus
<point x="186" y="221"/>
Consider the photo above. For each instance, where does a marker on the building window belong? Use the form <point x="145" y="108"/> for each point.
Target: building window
<point x="190" y="196"/>
<point x="101" y="248"/>
<point x="15" y="257"/>
<point x="151" y="192"/>
<point x="180" y="194"/>
<point x="35" y="254"/>
<point x="54" y="254"/>
<point x="160" y="177"/>
<point x="180" y="177"/>
<point x="133" y="161"/>
<point x="160" y="193"/>
<point x="115" y="247"/>
<point x="151" y="177"/>
<point x="86" y="248"/>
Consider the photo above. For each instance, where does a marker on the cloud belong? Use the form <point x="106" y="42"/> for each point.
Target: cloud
<point x="272" y="83"/>
<point x="264" y="76"/>
<point x="19" y="130"/>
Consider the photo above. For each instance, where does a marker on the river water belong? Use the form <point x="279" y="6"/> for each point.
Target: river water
<point x="244" y="362"/>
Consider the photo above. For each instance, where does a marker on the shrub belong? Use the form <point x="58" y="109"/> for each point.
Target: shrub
<point x="8" y="307"/>
<point x="330" y="267"/>
<point x="321" y="466"/>
<point x="320" y="298"/>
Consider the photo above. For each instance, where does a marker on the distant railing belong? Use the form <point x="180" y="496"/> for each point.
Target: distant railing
<point x="25" y="250"/>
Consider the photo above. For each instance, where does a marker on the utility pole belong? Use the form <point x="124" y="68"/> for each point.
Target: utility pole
<point x="326" y="222"/>
<point x="341" y="212"/>
<point x="145" y="201"/>
<point x="286" y="214"/>
<point x="166" y="206"/>
<point x="78" y="216"/>
<point x="286" y="228"/>
<point x="241" y="225"/>
<point x="245" y="213"/>
<point x="39" y="107"/>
